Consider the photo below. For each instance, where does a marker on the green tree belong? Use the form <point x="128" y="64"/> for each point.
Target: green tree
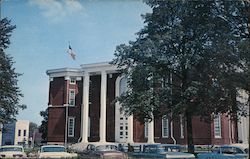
<point x="186" y="60"/>
<point x="9" y="91"/>
<point x="43" y="128"/>
<point x="32" y="128"/>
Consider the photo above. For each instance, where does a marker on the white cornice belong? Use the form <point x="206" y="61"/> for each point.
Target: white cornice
<point x="94" y="68"/>
<point x="62" y="72"/>
<point x="99" y="67"/>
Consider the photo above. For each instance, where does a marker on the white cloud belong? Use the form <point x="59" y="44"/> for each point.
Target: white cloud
<point x="57" y="10"/>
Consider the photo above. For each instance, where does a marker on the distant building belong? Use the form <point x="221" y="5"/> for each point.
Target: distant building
<point x="81" y="109"/>
<point x="8" y="136"/>
<point x="16" y="133"/>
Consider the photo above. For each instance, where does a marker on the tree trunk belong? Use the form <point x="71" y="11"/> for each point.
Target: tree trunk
<point x="189" y="132"/>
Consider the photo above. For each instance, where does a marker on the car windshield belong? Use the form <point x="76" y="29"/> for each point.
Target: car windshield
<point x="2" y="149"/>
<point x="106" y="147"/>
<point x="233" y="150"/>
<point x="53" y="149"/>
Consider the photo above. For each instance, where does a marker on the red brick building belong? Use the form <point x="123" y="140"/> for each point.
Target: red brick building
<point x="81" y="109"/>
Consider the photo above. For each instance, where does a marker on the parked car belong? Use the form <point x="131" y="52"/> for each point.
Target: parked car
<point x="12" y="151"/>
<point x="239" y="151"/>
<point x="162" y="151"/>
<point x="99" y="150"/>
<point x="55" y="151"/>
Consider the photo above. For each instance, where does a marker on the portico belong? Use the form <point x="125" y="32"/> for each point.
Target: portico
<point x="105" y="70"/>
<point x="86" y="106"/>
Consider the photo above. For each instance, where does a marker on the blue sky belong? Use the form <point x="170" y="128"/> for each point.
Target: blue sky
<point x="44" y="29"/>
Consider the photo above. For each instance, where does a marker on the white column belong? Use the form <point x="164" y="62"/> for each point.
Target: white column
<point x="130" y="129"/>
<point x="103" y="107"/>
<point x="1" y="133"/>
<point x="151" y="132"/>
<point x="85" y="110"/>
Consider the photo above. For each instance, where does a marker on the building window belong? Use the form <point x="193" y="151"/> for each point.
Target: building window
<point x="181" y="126"/>
<point x="71" y="97"/>
<point x="72" y="80"/>
<point x="71" y="126"/>
<point x="217" y="126"/>
<point x="146" y="129"/>
<point x="24" y="132"/>
<point x="165" y="127"/>
<point x="19" y="132"/>
<point x="123" y="86"/>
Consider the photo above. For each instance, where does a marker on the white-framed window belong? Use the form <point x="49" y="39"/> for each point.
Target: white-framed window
<point x="72" y="80"/>
<point x="217" y="126"/>
<point x="19" y="132"/>
<point x="24" y="132"/>
<point x="71" y="127"/>
<point x="146" y="129"/>
<point x="72" y="97"/>
<point x="165" y="127"/>
<point x="181" y="127"/>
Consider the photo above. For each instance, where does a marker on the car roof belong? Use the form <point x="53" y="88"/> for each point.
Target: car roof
<point x="158" y="144"/>
<point x="241" y="146"/>
<point x="11" y="146"/>
<point x="100" y="144"/>
<point x="52" y="146"/>
<point x="175" y="145"/>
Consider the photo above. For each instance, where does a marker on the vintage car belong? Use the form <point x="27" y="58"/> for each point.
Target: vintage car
<point x="161" y="151"/>
<point x="55" y="151"/>
<point x="238" y="151"/>
<point x="103" y="150"/>
<point x="12" y="151"/>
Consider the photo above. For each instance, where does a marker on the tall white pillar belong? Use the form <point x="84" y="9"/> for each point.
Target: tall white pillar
<point x="1" y="133"/>
<point x="130" y="129"/>
<point x="151" y="132"/>
<point x="85" y="110"/>
<point x="103" y="107"/>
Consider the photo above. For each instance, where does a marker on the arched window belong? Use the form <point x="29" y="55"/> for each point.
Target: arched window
<point x="121" y="120"/>
<point x="122" y="85"/>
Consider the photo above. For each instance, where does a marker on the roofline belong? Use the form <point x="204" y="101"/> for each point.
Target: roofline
<point x="59" y="70"/>
<point x="97" y="64"/>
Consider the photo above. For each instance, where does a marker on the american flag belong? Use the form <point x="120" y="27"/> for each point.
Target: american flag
<point x="71" y="53"/>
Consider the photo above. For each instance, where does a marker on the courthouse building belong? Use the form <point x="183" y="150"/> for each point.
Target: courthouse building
<point x="82" y="109"/>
